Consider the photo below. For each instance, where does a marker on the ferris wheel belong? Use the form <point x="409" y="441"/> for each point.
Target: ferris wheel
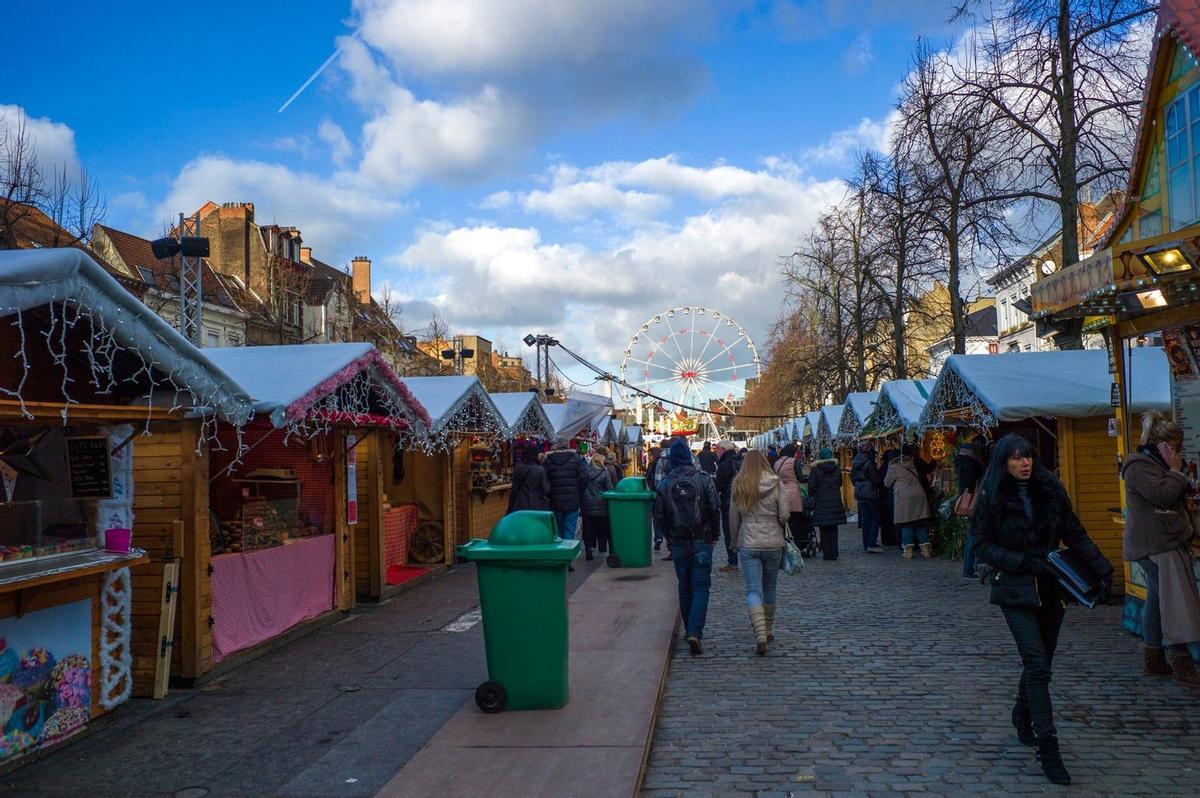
<point x="693" y="356"/>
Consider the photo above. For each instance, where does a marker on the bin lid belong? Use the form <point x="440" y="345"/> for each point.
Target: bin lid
<point x="524" y="535"/>
<point x="629" y="489"/>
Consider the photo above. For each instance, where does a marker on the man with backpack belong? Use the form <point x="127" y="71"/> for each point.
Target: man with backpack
<point x="687" y="511"/>
<point x="728" y="465"/>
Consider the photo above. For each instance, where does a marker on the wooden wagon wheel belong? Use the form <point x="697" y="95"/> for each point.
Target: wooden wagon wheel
<point x="428" y="544"/>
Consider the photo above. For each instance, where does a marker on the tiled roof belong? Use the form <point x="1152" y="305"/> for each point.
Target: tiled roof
<point x="982" y="323"/>
<point x="34" y="229"/>
<point x="164" y="274"/>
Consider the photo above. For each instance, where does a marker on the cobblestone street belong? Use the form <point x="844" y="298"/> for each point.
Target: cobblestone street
<point x="889" y="676"/>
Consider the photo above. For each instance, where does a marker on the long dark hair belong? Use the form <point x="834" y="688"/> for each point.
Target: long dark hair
<point x="1011" y="445"/>
<point x="788" y="451"/>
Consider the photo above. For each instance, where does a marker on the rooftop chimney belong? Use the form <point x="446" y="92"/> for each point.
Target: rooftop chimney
<point x="360" y="277"/>
<point x="306" y="254"/>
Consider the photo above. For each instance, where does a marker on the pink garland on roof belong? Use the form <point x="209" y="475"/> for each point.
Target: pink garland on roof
<point x="300" y="407"/>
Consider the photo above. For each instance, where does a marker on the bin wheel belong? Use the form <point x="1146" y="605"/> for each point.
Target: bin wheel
<point x="490" y="697"/>
<point x="613" y="561"/>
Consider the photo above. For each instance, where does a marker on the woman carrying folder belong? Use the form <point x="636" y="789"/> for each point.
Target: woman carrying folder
<point x="1021" y="515"/>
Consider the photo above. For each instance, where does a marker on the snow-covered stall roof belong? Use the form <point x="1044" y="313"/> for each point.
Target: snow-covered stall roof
<point x="984" y="390"/>
<point x="827" y="426"/>
<point x="79" y="292"/>
<point x="523" y="414"/>
<point x="899" y="407"/>
<point x="812" y="420"/>
<point x="616" y="430"/>
<point x="633" y="435"/>
<point x="859" y="406"/>
<point x="455" y="404"/>
<point x="295" y="383"/>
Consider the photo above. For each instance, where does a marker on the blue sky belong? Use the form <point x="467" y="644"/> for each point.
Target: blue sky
<point x="558" y="165"/>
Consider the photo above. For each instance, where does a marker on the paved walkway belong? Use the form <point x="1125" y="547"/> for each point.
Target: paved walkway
<point x="890" y="677"/>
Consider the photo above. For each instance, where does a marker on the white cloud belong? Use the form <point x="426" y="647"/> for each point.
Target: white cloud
<point x="507" y="280"/>
<point x="868" y="134"/>
<point x="53" y="142"/>
<point x="858" y="56"/>
<point x="333" y="213"/>
<point x="340" y="148"/>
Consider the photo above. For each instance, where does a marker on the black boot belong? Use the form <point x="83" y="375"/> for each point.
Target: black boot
<point x="1051" y="759"/>
<point x="1022" y="721"/>
<point x="590" y="556"/>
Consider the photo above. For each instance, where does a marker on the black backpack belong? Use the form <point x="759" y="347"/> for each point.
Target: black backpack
<point x="685" y="510"/>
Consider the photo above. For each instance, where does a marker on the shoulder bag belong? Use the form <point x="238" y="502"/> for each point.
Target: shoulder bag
<point x="964" y="505"/>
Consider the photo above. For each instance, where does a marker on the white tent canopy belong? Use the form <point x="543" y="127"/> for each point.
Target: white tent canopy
<point x="581" y="412"/>
<point x="74" y="285"/>
<point x="899" y="406"/>
<point x="523" y="414"/>
<point x="858" y="408"/>
<point x="456" y="405"/>
<point x="830" y="421"/>
<point x="812" y="421"/>
<point x="633" y="435"/>
<point x="985" y="390"/>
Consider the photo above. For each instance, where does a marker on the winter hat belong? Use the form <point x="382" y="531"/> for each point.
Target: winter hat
<point x="679" y="455"/>
<point x="825" y="454"/>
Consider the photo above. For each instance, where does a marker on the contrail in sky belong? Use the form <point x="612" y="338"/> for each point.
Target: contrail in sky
<point x="312" y="77"/>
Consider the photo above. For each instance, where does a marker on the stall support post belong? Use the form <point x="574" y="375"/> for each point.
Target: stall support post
<point x="373" y="459"/>
<point x="343" y="563"/>
<point x="1116" y="350"/>
<point x="194" y="580"/>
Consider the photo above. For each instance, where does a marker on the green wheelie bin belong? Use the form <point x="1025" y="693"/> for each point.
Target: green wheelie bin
<point x="629" y="507"/>
<point x="522" y="572"/>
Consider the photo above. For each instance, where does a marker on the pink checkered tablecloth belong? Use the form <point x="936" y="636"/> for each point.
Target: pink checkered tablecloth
<point x="399" y="524"/>
<point x="260" y="594"/>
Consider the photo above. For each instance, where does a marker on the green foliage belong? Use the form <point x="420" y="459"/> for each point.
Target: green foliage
<point x="948" y="535"/>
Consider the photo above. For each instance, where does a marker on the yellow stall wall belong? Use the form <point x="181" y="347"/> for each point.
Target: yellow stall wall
<point x="1087" y="459"/>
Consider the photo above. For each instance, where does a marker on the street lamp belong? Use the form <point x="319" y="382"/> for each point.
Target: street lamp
<point x="458" y="353"/>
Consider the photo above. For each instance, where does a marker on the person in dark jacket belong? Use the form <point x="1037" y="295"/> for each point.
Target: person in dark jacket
<point x="594" y="507"/>
<point x="825" y="495"/>
<point x="652" y="482"/>
<point x="691" y="547"/>
<point x="708" y="460"/>
<point x="568" y="476"/>
<point x="530" y="486"/>
<point x="728" y="464"/>
<point x="889" y="533"/>
<point x="1021" y="515"/>
<point x="969" y="463"/>
<point x="868" y="483"/>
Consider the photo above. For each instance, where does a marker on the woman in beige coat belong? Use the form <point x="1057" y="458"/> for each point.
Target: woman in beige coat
<point x="910" y="505"/>
<point x="758" y="514"/>
<point x="1158" y="537"/>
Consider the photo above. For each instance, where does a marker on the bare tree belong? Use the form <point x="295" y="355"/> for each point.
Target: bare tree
<point x="1068" y="76"/>
<point x="21" y="181"/>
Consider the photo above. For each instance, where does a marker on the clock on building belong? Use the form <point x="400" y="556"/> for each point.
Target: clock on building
<point x="1049" y="267"/>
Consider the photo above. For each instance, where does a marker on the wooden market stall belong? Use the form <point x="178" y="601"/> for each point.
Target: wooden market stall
<point x="1144" y="285"/>
<point x="456" y="475"/>
<point x="527" y="426"/>
<point x="859" y="406"/>
<point x="291" y="535"/>
<point x="894" y="419"/>
<point x="104" y="407"/>
<point x="1060" y="402"/>
<point x="633" y="447"/>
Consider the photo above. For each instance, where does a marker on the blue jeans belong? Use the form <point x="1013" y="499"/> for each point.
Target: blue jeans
<point x="693" y="568"/>
<point x="970" y="559"/>
<point x="760" y="567"/>
<point x="911" y="533"/>
<point x="868" y="521"/>
<point x="1152" y="634"/>
<point x="567" y="521"/>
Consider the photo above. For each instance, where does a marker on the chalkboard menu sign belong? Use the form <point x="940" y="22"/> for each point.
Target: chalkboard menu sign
<point x="89" y="467"/>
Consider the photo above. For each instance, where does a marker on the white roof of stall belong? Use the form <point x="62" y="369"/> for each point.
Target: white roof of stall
<point x="513" y="408"/>
<point x="33" y="278"/>
<point x="287" y="380"/>
<point x="908" y="397"/>
<point x="615" y="427"/>
<point x="633" y="434"/>
<point x="1071" y="384"/>
<point x="833" y="416"/>
<point x="442" y="397"/>
<point x="811" y="420"/>
<point x="580" y="411"/>
<point x="861" y="404"/>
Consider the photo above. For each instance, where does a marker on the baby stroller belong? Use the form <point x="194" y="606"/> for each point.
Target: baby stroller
<point x="806" y="535"/>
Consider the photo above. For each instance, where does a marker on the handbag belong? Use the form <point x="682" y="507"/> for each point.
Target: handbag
<point x="793" y="560"/>
<point x="964" y="505"/>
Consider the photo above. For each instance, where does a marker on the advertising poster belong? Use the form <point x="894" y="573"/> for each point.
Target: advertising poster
<point x="351" y="480"/>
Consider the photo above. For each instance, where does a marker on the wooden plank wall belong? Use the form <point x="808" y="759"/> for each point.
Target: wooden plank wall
<point x="486" y="514"/>
<point x="1087" y="459"/>
<point x="369" y="568"/>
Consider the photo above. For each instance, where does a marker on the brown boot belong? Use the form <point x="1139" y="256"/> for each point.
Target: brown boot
<point x="927" y="551"/>
<point x="1183" y="669"/>
<point x="908" y="552"/>
<point x="1155" y="662"/>
<point x="758" y="622"/>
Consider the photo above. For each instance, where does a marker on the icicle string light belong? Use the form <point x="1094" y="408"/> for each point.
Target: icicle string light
<point x="531" y="425"/>
<point x="951" y="395"/>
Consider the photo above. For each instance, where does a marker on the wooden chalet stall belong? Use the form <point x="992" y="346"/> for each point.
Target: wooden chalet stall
<point x="1145" y="284"/>
<point x="456" y="476"/>
<point x="103" y="410"/>
<point x="285" y="506"/>
<point x="528" y="427"/>
<point x="828" y="423"/>
<point x="897" y="413"/>
<point x="1059" y="401"/>
<point x="633" y="448"/>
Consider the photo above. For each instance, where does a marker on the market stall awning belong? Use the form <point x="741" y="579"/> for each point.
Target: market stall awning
<point x="633" y="435"/>
<point x="582" y="413"/>
<point x="858" y="408"/>
<point x="812" y="420"/>
<point x="984" y="390"/>
<point x="345" y="383"/>
<point x="898" y="408"/>
<point x="64" y="278"/>
<point x="456" y="405"/>
<point x="523" y="414"/>
<point x="616" y="429"/>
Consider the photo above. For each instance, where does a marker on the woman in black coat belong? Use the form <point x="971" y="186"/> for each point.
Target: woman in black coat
<point x="594" y="507"/>
<point x="825" y="493"/>
<point x="1021" y="515"/>
<point x="531" y="486"/>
